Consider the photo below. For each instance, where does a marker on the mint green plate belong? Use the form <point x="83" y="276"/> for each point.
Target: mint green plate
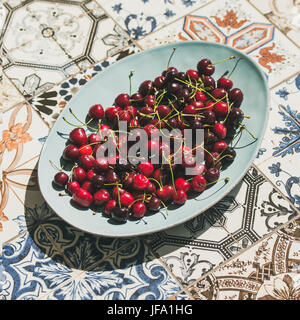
<point x="104" y="87"/>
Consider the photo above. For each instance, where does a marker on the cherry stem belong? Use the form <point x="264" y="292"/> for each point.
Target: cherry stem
<point x="226" y="179"/>
<point x="63" y="194"/>
<point x="168" y="65"/>
<point x="234" y="67"/>
<point x="119" y="200"/>
<point x="130" y="81"/>
<point x="159" y="184"/>
<point x="232" y="57"/>
<point x="224" y="74"/>
<point x="55" y="166"/>
<point x="251" y="134"/>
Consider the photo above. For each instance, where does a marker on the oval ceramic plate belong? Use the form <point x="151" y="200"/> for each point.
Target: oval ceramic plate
<point x="104" y="87"/>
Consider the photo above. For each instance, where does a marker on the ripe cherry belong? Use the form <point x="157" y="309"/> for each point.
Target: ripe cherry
<point x="145" y="168"/>
<point x="94" y="138"/>
<point x="219" y="93"/>
<point x="78" y="137"/>
<point x="126" y="199"/>
<point x="120" y="214"/>
<point x="138" y="210"/>
<point x="111" y="113"/>
<point x="136" y="99"/>
<point x="82" y="197"/>
<point x="224" y="83"/>
<point x="209" y="82"/>
<point x="96" y="112"/>
<point x="70" y="153"/>
<point x="140" y="182"/>
<point x="200" y="96"/>
<point x="212" y="174"/>
<point x="146" y="88"/>
<point x="198" y="183"/>
<point x="87" y="185"/>
<point x="179" y="197"/>
<point x="193" y="74"/>
<point x="205" y="67"/>
<point x="86" y="162"/>
<point x="101" y="164"/>
<point x="101" y="197"/>
<point x="86" y="150"/>
<point x="61" y="179"/>
<point x="91" y="174"/>
<point x="122" y="100"/>
<point x="236" y="96"/>
<point x="98" y="181"/>
<point x="220" y="109"/>
<point x="110" y="205"/>
<point x="149" y="101"/>
<point x="220" y="130"/>
<point x="111" y="177"/>
<point x="116" y="193"/>
<point x="182" y="184"/>
<point x="160" y="82"/>
<point x="209" y="117"/>
<point x="73" y="186"/>
<point x="220" y="146"/>
<point x="154" y="204"/>
<point x="230" y="155"/>
<point x="79" y="174"/>
<point x="165" y="193"/>
<point x="163" y="110"/>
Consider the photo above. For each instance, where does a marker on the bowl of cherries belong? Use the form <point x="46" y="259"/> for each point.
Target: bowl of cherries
<point x="155" y="139"/>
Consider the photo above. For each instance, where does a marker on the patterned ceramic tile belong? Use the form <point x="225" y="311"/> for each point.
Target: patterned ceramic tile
<point x="239" y="25"/>
<point x="91" y="38"/>
<point x="140" y="18"/>
<point x="284" y="14"/>
<point x="25" y="260"/>
<point x="50" y="103"/>
<point x="267" y="271"/>
<point x="249" y="212"/>
<point x="280" y="161"/>
<point x="130" y="274"/>
<point x="9" y="96"/>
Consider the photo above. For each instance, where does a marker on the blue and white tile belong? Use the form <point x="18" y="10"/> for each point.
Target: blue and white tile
<point x="249" y="212"/>
<point x="29" y="262"/>
<point x="130" y="274"/>
<point x="142" y="17"/>
<point x="49" y="104"/>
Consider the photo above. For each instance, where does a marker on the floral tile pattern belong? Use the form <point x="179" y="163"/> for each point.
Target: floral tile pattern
<point x="141" y="17"/>
<point x="249" y="212"/>
<point x="239" y="25"/>
<point x="245" y="247"/>
<point x="267" y="271"/>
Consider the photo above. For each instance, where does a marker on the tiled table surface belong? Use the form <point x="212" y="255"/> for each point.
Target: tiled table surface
<point x="245" y="247"/>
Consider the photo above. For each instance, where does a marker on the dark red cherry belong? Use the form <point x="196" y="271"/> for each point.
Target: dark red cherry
<point x="136" y="99"/>
<point x="61" y="179"/>
<point x="98" y="181"/>
<point x="86" y="162"/>
<point x="212" y="174"/>
<point x="209" y="117"/>
<point x="219" y="93"/>
<point x="205" y="67"/>
<point x="78" y="137"/>
<point x="209" y="82"/>
<point x="122" y="100"/>
<point x="220" y="109"/>
<point x="91" y="174"/>
<point x="79" y="174"/>
<point x="220" y="146"/>
<point x="174" y="88"/>
<point x="71" y="153"/>
<point x="82" y="197"/>
<point x="235" y="116"/>
<point x="111" y="176"/>
<point x="163" y="110"/>
<point x="200" y="96"/>
<point x="96" y="112"/>
<point x="224" y="83"/>
<point x="111" y="113"/>
<point x="193" y="74"/>
<point x="230" y="155"/>
<point x="236" y="96"/>
<point x="101" y="164"/>
<point x="120" y="214"/>
<point x="160" y="82"/>
<point x="146" y="88"/>
<point x="154" y="204"/>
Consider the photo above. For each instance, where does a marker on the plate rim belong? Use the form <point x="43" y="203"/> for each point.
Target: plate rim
<point x="241" y="175"/>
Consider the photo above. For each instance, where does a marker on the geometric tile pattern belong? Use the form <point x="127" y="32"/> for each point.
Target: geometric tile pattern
<point x="245" y="247"/>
